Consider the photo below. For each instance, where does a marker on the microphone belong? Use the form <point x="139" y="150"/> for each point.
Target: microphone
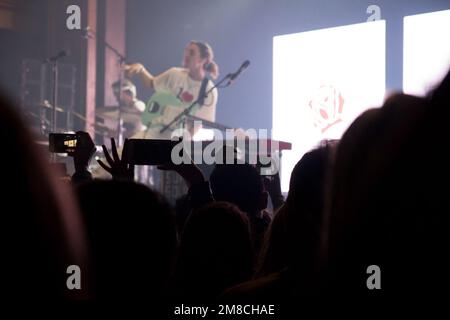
<point x="244" y="66"/>
<point x="61" y="54"/>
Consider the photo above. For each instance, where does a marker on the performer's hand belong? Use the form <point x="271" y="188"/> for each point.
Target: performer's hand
<point x="133" y="69"/>
<point x="118" y="168"/>
<point x="138" y="69"/>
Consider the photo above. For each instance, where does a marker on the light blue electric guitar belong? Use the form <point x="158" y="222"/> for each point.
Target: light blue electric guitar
<point x="153" y="116"/>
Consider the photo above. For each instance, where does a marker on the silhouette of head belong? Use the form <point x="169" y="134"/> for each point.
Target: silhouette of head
<point x="239" y="184"/>
<point x="41" y="228"/>
<point x="132" y="234"/>
<point x="215" y="250"/>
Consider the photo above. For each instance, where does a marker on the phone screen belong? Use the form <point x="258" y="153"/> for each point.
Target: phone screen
<point x="62" y="142"/>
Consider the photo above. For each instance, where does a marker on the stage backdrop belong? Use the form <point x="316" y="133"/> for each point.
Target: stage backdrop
<point x="426" y="51"/>
<point x="322" y="80"/>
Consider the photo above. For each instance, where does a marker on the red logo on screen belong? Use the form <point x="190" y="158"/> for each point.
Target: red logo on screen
<point x="327" y="106"/>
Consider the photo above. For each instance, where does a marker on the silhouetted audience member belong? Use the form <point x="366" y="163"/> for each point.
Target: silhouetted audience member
<point x="241" y="184"/>
<point x="387" y="205"/>
<point x="272" y="185"/>
<point x="41" y="229"/>
<point x="293" y="235"/>
<point x="182" y="210"/>
<point x="289" y="255"/>
<point x="215" y="252"/>
<point x="132" y="236"/>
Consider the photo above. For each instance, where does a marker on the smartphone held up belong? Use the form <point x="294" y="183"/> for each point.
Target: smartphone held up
<point x="62" y="142"/>
<point x="149" y="151"/>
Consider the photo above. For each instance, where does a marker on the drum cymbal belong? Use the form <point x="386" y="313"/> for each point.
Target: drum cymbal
<point x="31" y="114"/>
<point x="127" y="115"/>
<point x="100" y="126"/>
<point x="104" y="130"/>
<point x="46" y="105"/>
<point x="79" y="116"/>
<point x="106" y="109"/>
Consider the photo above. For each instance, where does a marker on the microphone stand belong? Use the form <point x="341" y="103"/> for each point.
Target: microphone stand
<point x="54" y="61"/>
<point x="55" y="93"/>
<point x="120" y="62"/>
<point x="201" y="97"/>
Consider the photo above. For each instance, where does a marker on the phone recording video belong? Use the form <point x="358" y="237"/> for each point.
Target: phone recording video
<point x="62" y="142"/>
<point x="149" y="151"/>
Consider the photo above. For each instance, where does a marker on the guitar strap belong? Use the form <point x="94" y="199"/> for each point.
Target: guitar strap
<point x="201" y="94"/>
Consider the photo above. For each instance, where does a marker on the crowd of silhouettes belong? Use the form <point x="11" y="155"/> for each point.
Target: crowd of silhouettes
<point x="378" y="196"/>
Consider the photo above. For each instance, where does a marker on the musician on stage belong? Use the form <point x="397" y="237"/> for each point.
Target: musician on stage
<point x="131" y="107"/>
<point x="185" y="83"/>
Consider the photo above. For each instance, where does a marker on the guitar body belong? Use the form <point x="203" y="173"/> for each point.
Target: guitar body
<point x="153" y="116"/>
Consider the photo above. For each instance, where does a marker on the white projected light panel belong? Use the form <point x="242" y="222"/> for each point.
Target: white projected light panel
<point x="322" y="80"/>
<point x="426" y="51"/>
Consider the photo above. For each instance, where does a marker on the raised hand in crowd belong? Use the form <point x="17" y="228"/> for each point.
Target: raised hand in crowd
<point x="191" y="174"/>
<point x="119" y="168"/>
<point x="272" y="185"/>
<point x="199" y="189"/>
